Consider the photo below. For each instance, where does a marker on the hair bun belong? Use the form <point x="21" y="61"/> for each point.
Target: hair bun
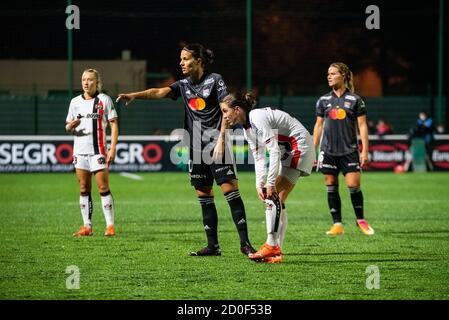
<point x="210" y="56"/>
<point x="250" y="99"/>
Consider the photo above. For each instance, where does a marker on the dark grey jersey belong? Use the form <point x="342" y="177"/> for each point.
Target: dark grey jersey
<point x="340" y="122"/>
<point x="201" y="103"/>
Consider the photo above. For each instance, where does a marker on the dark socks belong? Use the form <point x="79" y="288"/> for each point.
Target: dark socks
<point x="238" y="215"/>
<point x="334" y="202"/>
<point x="210" y="220"/>
<point x="357" y="201"/>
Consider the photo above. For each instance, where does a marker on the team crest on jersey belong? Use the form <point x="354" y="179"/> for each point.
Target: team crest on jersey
<point x="347" y="104"/>
<point x="206" y="93"/>
<point x="99" y="106"/>
<point x="101" y="160"/>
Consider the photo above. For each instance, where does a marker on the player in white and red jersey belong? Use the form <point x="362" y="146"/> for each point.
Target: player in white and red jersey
<point x="292" y="155"/>
<point x="87" y="119"/>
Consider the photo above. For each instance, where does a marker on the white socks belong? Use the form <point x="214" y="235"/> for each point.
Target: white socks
<point x="107" y="204"/>
<point x="275" y="238"/>
<point x="282" y="227"/>
<point x="272" y="218"/>
<point x="86" y="210"/>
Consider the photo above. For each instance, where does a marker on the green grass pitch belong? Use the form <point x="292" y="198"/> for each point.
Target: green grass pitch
<point x="158" y="221"/>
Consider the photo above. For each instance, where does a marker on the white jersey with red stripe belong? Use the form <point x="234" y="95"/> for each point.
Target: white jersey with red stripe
<point x="285" y="138"/>
<point x="90" y="135"/>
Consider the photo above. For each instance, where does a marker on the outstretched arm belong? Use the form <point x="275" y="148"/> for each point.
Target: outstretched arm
<point x="153" y="93"/>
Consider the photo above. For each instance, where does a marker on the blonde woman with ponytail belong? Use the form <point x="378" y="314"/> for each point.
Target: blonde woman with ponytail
<point x="340" y="114"/>
<point x="87" y="119"/>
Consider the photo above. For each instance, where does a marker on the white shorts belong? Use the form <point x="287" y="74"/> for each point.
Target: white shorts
<point x="90" y="163"/>
<point x="296" y="165"/>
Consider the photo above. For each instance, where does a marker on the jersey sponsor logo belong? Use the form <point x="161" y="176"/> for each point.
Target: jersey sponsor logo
<point x="352" y="98"/>
<point x="209" y="81"/>
<point x="337" y="114"/>
<point x="222" y="169"/>
<point x="198" y="176"/>
<point x="329" y="166"/>
<point x="353" y="164"/>
<point x="222" y="85"/>
<point x="197" y="104"/>
<point x="93" y="116"/>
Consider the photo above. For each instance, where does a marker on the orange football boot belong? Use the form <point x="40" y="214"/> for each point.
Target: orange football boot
<point x="110" y="231"/>
<point x="265" y="251"/>
<point x="336" y="229"/>
<point x="275" y="259"/>
<point x="83" y="232"/>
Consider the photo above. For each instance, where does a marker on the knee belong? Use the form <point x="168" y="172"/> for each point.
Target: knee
<point x="204" y="191"/>
<point x="103" y="188"/>
<point x="84" y="188"/>
<point x="331" y="180"/>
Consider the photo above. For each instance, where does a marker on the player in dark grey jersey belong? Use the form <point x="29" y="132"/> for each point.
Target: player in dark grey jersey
<point x="201" y="92"/>
<point x="339" y="113"/>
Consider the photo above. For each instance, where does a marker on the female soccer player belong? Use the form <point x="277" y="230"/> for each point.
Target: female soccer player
<point x="340" y="112"/>
<point x="201" y="92"/>
<point x="292" y="155"/>
<point x="87" y="119"/>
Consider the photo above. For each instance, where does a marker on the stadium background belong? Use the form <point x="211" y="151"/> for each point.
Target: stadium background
<point x="293" y="42"/>
<point x="135" y="45"/>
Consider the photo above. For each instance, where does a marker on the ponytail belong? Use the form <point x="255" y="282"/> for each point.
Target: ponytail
<point x="245" y="101"/>
<point x="198" y="51"/>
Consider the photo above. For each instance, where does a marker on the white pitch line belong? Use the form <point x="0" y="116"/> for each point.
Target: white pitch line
<point x="131" y="176"/>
